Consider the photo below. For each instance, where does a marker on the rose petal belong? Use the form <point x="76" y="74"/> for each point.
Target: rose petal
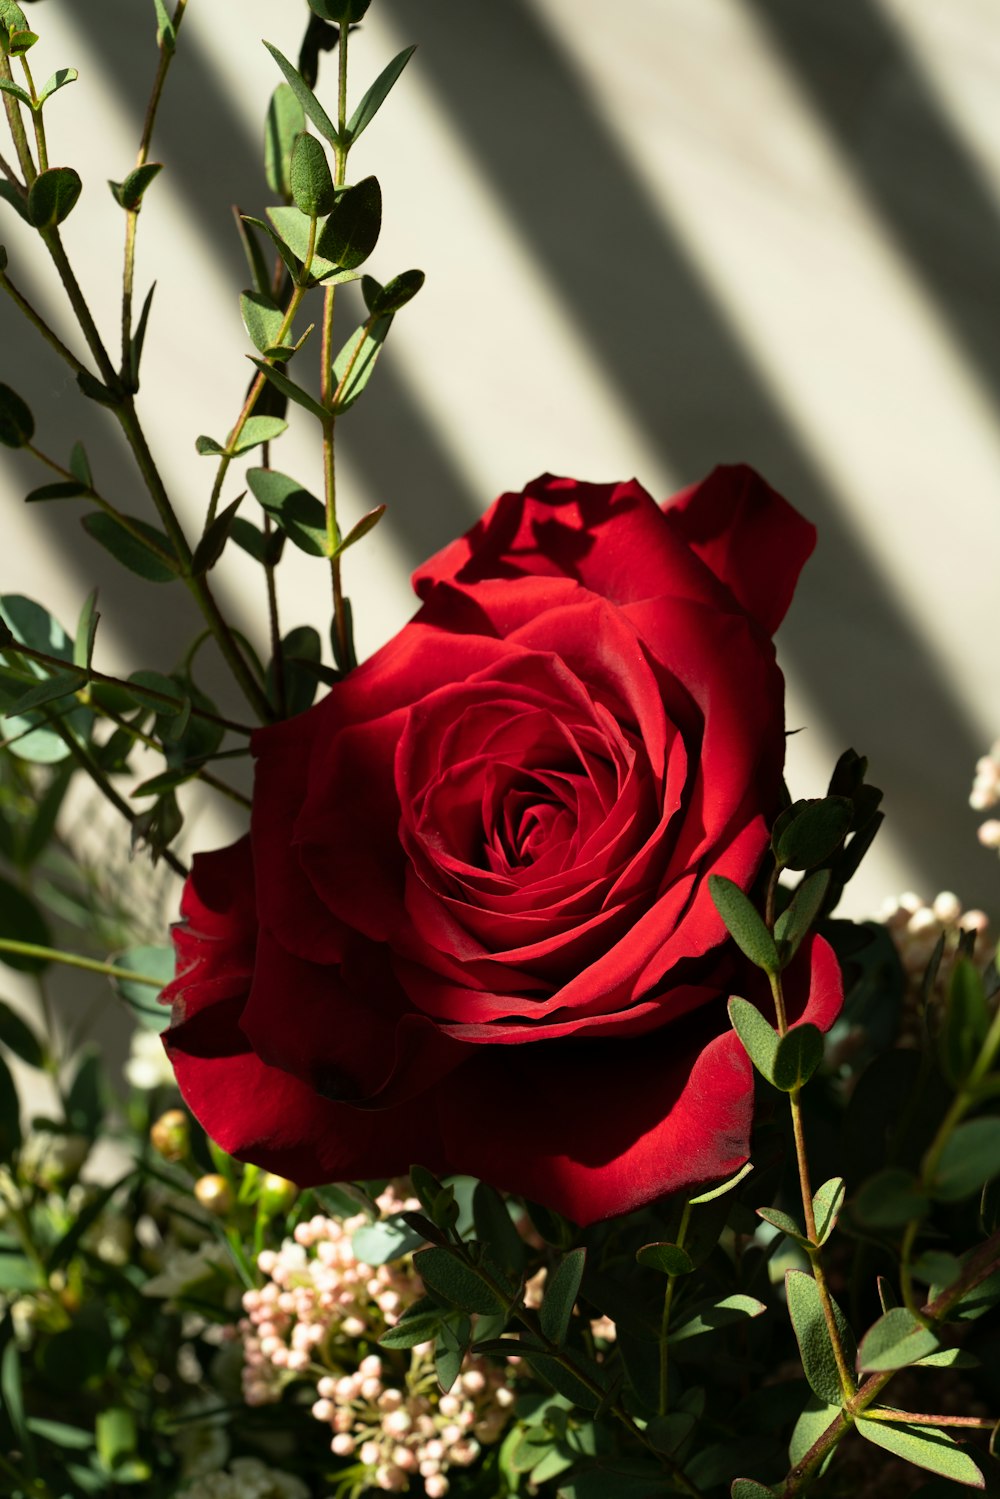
<point x="752" y="539"/>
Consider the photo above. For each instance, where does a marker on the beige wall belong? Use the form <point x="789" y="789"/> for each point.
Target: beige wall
<point x="705" y="230"/>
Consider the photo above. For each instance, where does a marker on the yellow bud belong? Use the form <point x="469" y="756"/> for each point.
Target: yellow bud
<point x="277" y="1193"/>
<point x="170" y="1136"/>
<point x="215" y="1194"/>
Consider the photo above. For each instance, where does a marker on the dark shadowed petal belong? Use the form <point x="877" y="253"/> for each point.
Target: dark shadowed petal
<point x="752" y="539"/>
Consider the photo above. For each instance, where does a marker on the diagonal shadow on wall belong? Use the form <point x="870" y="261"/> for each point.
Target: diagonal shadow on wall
<point x="869" y="92"/>
<point x="675" y="361"/>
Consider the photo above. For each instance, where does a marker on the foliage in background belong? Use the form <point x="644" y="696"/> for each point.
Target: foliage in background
<point x="177" y="1324"/>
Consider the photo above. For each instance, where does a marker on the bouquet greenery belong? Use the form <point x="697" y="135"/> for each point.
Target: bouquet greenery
<point x="509" y="1112"/>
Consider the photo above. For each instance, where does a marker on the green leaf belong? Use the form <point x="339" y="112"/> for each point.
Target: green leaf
<point x="143" y="999"/>
<point x="292" y="263"/>
<point x="759" y="1038"/>
<point x="22" y="921"/>
<point x="22" y="42"/>
<point x="496" y="1228"/>
<point x="749" y="1488"/>
<point x="351" y="232"/>
<point x="815" y="1349"/>
<point x="257" y="430"/>
<point x="12" y="1395"/>
<point x="59" y="1434"/>
<point x="341" y="12"/>
<point x="719" y="1314"/>
<point x="84" y="1101"/>
<point x="286" y="119"/>
<point x="53" y="196"/>
<point x="212" y="544"/>
<point x="355" y="363"/>
<point x="723" y="1187"/>
<point x="259" y="271"/>
<point x="17" y="425"/>
<point x="365" y="524"/>
<point x="810" y="831"/>
<point x="59" y="80"/>
<point x="385" y="300"/>
<point x="415" y="1327"/>
<point x="798" y="1054"/>
<point x="375" y="97"/>
<point x="563" y="1381"/>
<point x="890" y="1199"/>
<point x="8" y="86"/>
<point x="925" y="1447"/>
<point x="450" y="1349"/>
<point x="19" y="1038"/>
<point x="301" y="652"/>
<point x="137" y="341"/>
<point x="668" y="1259"/>
<point x="60" y="685"/>
<point x="166" y="36"/>
<point x="79" y="466"/>
<point x="827" y="1203"/>
<point x="895" y="1340"/>
<point x="970" y="1158"/>
<point x="262" y="318"/>
<point x="129" y="193"/>
<point x="10" y="1115"/>
<point x="377" y="1243"/>
<point x="299" y="514"/>
<point x="810" y="1426"/>
<point x="86" y="630"/>
<point x="800" y="913"/>
<point x="306" y="97"/>
<point x="949" y="1358"/>
<point x="148" y="562"/>
<point x="562" y="1286"/>
<point x="309" y="177"/>
<point x="966" y="1022"/>
<point x="116" y="1436"/>
<point x="784" y="1223"/>
<point x="64" y="490"/>
<point x="743" y="923"/>
<point x="290" y="389"/>
<point x="251" y="538"/>
<point x="449" y="1278"/>
<point x="293" y="228"/>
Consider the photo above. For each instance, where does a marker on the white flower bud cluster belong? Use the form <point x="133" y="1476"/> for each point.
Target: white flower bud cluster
<point x="317" y="1303"/>
<point x="318" y="1300"/>
<point x="246" y="1478"/>
<point x="401" y="1433"/>
<point x="915" y="928"/>
<point x="986" y="794"/>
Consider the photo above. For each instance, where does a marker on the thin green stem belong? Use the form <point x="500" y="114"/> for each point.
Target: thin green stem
<point x="18" y="133"/>
<point x="668" y="1300"/>
<point x="176" y="703"/>
<point x="34" y="316"/>
<point x="252" y="397"/>
<point x="847" y="1382"/>
<point x="142" y="156"/>
<point x="329" y="389"/>
<point x="78" y="302"/>
<point x="11" y="175"/>
<point x="74" y="960"/>
<point x="36" y="116"/>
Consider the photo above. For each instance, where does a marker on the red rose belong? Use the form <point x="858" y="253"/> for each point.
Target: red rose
<point x="471" y="924"/>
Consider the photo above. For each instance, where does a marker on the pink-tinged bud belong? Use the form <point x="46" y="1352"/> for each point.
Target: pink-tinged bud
<point x="372" y="1365"/>
<point x="266" y="1261"/>
<point x="370" y="1453"/>
<point x="343" y="1444"/>
<point x="327" y="1387"/>
<point x="371" y="1388"/>
<point x="474" y="1381"/>
<point x="214" y="1194"/>
<point x="464" y="1453"/>
<point x="343" y="1418"/>
<point x="436" y="1486"/>
<point x="324" y="1410"/>
<point x="989" y="833"/>
<point x="298" y="1360"/>
<point x="390" y="1400"/>
<point x="397" y="1423"/>
<point x="390" y="1479"/>
<point x="405" y="1459"/>
<point x="449" y="1405"/>
<point x="353" y="1327"/>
